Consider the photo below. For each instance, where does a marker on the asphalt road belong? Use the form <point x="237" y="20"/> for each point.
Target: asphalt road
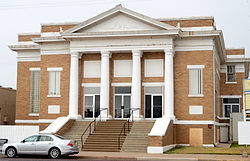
<point x="45" y="158"/>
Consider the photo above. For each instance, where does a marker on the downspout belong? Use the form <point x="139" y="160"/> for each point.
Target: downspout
<point x="214" y="49"/>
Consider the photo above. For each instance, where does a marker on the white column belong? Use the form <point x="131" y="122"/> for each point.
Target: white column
<point x="169" y="83"/>
<point x="104" y="100"/>
<point x="136" y="83"/>
<point x="73" y="87"/>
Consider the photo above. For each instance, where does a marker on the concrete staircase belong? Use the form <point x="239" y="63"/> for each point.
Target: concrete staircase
<point x="105" y="137"/>
<point x="76" y="131"/>
<point x="137" y="139"/>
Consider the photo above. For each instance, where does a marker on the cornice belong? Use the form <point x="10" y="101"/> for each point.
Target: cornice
<point x="122" y="34"/>
<point x="24" y="47"/>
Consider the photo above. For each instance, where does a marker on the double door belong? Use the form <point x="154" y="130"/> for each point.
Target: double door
<point x="122" y="105"/>
<point x="92" y="106"/>
<point x="153" y="106"/>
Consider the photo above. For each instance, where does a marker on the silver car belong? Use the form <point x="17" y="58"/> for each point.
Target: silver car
<point x="42" y="144"/>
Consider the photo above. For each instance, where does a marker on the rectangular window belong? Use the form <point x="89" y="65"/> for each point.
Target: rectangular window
<point x="230" y="105"/>
<point x="54" y="83"/>
<point x="231" y="73"/>
<point x="35" y="92"/>
<point x="195" y="82"/>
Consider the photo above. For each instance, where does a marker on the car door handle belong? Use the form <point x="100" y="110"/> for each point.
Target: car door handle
<point x="32" y="143"/>
<point x="50" y="143"/>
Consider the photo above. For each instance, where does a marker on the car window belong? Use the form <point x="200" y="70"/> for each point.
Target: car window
<point x="45" y="138"/>
<point x="60" y="137"/>
<point x="31" y="139"/>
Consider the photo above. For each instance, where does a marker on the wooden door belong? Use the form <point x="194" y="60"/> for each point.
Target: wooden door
<point x="195" y="136"/>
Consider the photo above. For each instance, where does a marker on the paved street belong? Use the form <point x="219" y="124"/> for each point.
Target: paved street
<point x="123" y="156"/>
<point x="44" y="158"/>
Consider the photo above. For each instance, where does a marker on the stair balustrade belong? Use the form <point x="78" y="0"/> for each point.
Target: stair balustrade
<point x="88" y="128"/>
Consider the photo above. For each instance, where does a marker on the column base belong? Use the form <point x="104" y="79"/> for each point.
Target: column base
<point x="172" y="117"/>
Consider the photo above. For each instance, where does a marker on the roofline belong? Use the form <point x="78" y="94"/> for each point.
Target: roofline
<point x="59" y="23"/>
<point x="235" y="48"/>
<point x="185" y="18"/>
<point x="29" y="33"/>
<point x="114" y="10"/>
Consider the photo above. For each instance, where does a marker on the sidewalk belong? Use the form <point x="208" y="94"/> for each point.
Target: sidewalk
<point x="155" y="157"/>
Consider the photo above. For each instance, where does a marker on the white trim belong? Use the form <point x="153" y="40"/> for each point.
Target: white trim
<point x="35" y="121"/>
<point x="153" y="84"/>
<point x="34" y="69"/>
<point x="195" y="110"/>
<point x="59" y="23"/>
<point x="56" y="52"/>
<point x="54" y="69"/>
<point x="184" y="144"/>
<point x="51" y="96"/>
<point x="198" y="95"/>
<point x="159" y="149"/>
<point x="27" y="121"/>
<point x="33" y="114"/>
<point x="230" y="82"/>
<point x="29" y="33"/>
<point x="21" y="59"/>
<point x="121" y="84"/>
<point x="54" y="109"/>
<point x="185" y="18"/>
<point x="195" y="66"/>
<point x="194" y="48"/>
<point x="193" y="122"/>
<point x="230" y="96"/>
<point x="235" y="56"/>
<point x="203" y="28"/>
<point x="91" y="84"/>
<point x="48" y="34"/>
<point x="222" y="124"/>
<point x="208" y="145"/>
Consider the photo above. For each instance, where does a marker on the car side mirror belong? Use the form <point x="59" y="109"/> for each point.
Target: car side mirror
<point x="23" y="141"/>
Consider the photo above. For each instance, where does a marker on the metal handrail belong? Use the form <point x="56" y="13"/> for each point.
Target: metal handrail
<point x="103" y="109"/>
<point x="89" y="127"/>
<point x="132" y="113"/>
<point x="124" y="134"/>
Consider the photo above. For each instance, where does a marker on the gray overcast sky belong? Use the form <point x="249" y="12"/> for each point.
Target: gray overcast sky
<point x="18" y="16"/>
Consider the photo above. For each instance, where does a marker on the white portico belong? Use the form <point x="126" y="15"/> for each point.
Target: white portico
<point x="121" y="30"/>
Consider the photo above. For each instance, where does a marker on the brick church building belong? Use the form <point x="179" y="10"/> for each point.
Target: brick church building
<point x="175" y="73"/>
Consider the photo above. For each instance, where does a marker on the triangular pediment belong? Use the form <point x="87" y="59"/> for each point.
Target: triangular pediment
<point x="119" y="19"/>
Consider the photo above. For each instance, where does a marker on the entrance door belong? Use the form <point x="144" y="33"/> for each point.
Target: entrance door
<point x="122" y="106"/>
<point x="153" y="106"/>
<point x="92" y="106"/>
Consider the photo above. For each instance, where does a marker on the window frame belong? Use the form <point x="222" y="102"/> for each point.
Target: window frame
<point x="32" y="111"/>
<point x="227" y="72"/>
<point x="200" y="80"/>
<point x="231" y="104"/>
<point x="57" y="85"/>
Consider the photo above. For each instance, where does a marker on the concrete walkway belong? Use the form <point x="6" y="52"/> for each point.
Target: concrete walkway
<point x="155" y="157"/>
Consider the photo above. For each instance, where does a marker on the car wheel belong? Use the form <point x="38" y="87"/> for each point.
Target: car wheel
<point x="11" y="152"/>
<point x="54" y="153"/>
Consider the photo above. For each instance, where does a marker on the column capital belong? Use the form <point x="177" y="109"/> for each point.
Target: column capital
<point x="169" y="52"/>
<point x="106" y="54"/>
<point x="137" y="53"/>
<point x="74" y="53"/>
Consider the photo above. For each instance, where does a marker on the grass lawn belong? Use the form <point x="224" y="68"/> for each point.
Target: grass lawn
<point x="235" y="149"/>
